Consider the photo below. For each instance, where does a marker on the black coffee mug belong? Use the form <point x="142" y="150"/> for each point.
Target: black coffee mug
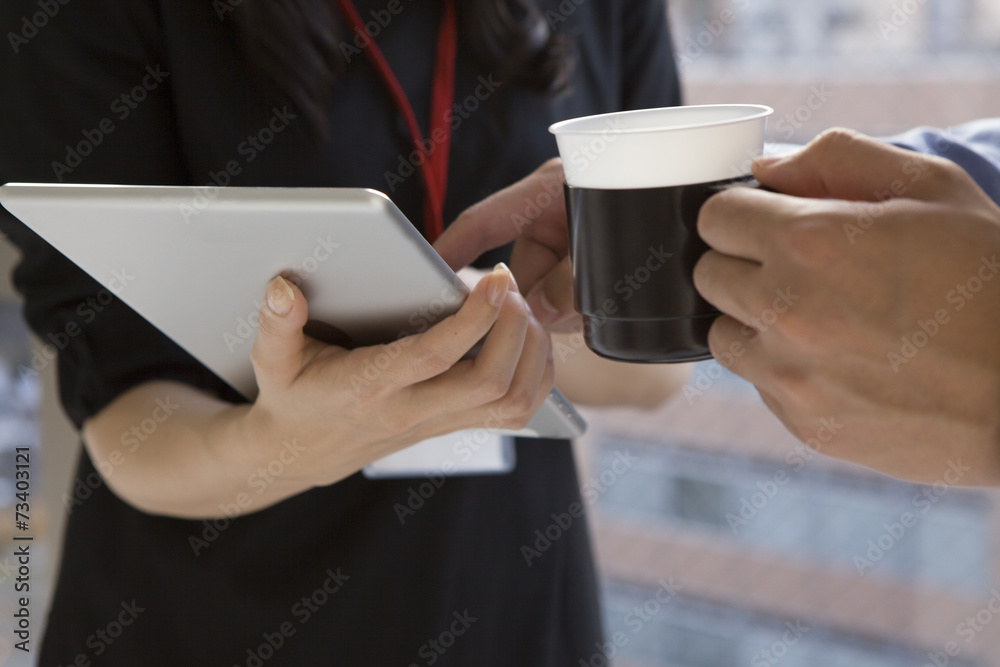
<point x="636" y="181"/>
<point x="633" y="254"/>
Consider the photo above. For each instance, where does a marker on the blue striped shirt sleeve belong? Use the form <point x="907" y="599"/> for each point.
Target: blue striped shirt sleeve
<point x="973" y="146"/>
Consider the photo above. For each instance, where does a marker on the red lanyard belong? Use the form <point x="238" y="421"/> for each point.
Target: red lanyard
<point x="432" y="155"/>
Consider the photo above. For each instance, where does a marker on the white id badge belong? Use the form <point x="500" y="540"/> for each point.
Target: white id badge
<point x="475" y="452"/>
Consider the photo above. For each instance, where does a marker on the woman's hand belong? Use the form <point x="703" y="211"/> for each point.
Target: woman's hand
<point x="323" y="412"/>
<point x="351" y="407"/>
<point x="532" y="213"/>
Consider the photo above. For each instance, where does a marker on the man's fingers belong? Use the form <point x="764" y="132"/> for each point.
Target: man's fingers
<point x="277" y="350"/>
<point x="534" y="207"/>
<point x="742" y="222"/>
<point x="728" y="343"/>
<point x="728" y="283"/>
<point x="844" y="164"/>
<point x="754" y="356"/>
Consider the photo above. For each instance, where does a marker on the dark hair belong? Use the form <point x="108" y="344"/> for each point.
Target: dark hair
<point x="295" y="46"/>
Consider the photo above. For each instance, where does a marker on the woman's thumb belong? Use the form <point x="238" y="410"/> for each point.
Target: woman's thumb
<point x="277" y="350"/>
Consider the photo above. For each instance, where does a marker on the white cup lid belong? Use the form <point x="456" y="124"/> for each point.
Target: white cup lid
<point x="661" y="147"/>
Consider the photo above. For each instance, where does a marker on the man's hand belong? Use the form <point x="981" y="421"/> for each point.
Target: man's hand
<point x="532" y="213"/>
<point x="868" y="293"/>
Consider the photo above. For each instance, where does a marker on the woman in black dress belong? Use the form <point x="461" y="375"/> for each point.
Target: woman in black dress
<point x="320" y="570"/>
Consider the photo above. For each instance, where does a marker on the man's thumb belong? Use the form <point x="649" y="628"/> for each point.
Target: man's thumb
<point x="277" y="350"/>
<point x="844" y="164"/>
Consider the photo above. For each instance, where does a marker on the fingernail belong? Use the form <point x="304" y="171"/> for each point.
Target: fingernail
<point x="512" y="285"/>
<point x="499" y="284"/>
<point x="280" y="296"/>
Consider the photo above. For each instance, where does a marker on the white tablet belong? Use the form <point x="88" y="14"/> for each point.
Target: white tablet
<point x="194" y="261"/>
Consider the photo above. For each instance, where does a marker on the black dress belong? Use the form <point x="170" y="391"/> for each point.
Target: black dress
<point x="332" y="576"/>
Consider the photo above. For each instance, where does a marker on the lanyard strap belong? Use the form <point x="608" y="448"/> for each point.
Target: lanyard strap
<point x="432" y="155"/>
